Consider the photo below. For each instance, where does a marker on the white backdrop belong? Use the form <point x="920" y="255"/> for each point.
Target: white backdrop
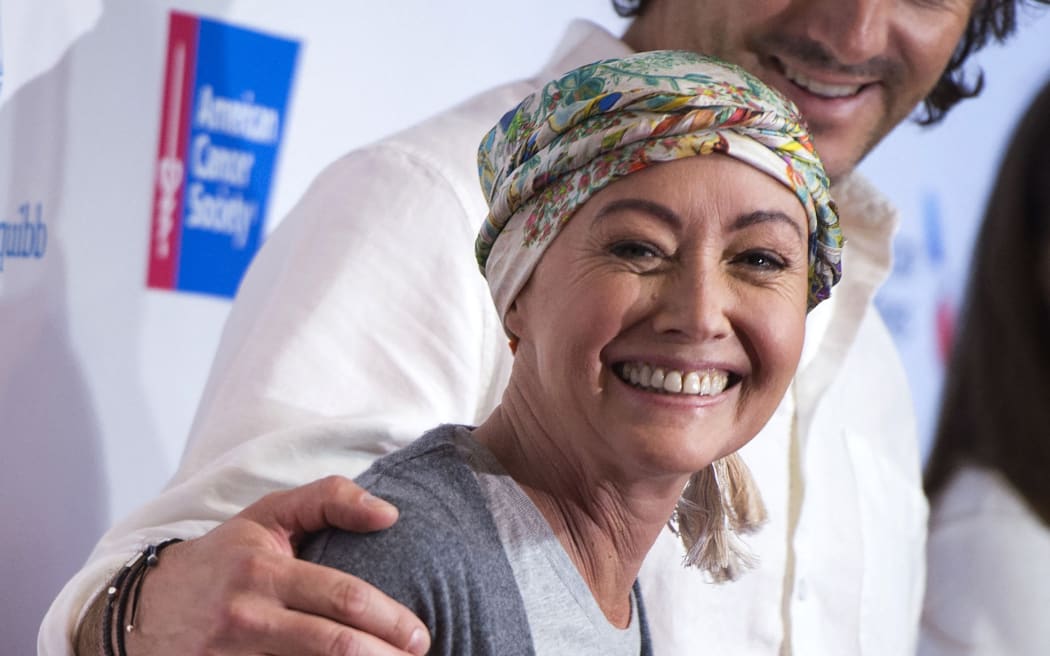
<point x="99" y="376"/>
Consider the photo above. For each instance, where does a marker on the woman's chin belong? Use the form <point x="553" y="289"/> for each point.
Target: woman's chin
<point x="673" y="433"/>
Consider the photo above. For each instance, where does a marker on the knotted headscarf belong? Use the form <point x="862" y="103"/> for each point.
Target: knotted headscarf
<point x="605" y="120"/>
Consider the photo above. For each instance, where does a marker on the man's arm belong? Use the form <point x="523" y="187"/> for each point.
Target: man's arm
<point x="254" y="600"/>
<point x="367" y="307"/>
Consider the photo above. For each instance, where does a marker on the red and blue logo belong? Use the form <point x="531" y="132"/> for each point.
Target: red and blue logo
<point x="226" y="92"/>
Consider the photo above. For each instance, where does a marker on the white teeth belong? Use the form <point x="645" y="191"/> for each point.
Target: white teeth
<point x="695" y="383"/>
<point x="820" y="88"/>
<point x="705" y="384"/>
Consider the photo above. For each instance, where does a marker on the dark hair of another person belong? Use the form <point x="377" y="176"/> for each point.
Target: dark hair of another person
<point x="991" y="20"/>
<point x="996" y="407"/>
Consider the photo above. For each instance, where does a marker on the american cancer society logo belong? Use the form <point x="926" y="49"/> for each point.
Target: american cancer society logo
<point x="226" y="93"/>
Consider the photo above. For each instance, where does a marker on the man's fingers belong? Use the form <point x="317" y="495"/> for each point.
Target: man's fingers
<point x="309" y="635"/>
<point x="347" y="600"/>
<point x="334" y="501"/>
<point x="213" y="595"/>
<point x="254" y="625"/>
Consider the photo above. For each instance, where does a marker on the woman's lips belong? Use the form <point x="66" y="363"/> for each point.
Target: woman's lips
<point x="705" y="382"/>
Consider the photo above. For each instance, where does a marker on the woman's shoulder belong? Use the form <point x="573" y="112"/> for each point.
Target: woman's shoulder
<point x="441" y="507"/>
<point x="430" y="480"/>
<point x="977" y="495"/>
<point x="988" y="556"/>
<point x="443" y="558"/>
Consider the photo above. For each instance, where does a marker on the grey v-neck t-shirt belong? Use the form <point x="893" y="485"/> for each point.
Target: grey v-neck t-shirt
<point x="474" y="559"/>
<point x="563" y="615"/>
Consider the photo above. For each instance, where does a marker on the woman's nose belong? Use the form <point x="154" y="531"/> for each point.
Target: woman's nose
<point x="694" y="305"/>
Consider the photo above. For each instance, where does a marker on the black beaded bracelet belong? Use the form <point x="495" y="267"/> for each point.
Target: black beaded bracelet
<point x="128" y="581"/>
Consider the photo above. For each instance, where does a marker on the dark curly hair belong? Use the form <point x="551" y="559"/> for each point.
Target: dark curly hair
<point x="992" y="20"/>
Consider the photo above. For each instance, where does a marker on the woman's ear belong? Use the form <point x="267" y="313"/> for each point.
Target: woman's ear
<point x="512" y="325"/>
<point x="515" y="323"/>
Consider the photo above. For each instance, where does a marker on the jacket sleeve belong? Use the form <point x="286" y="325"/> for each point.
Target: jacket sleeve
<point x="364" y="316"/>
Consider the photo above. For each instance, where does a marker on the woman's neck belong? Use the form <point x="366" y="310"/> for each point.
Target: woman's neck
<point x="606" y="524"/>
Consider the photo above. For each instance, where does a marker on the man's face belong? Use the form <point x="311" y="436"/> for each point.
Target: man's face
<point x="855" y="68"/>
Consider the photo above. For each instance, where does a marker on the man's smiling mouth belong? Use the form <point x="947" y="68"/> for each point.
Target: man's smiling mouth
<point x="823" y="89"/>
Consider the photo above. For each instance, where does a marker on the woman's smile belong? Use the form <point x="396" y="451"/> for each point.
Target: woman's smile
<point x="666" y="380"/>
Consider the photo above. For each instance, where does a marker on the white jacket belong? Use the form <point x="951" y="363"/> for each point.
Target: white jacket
<point x="364" y="321"/>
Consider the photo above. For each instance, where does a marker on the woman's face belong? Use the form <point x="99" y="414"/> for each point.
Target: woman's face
<point x="667" y="318"/>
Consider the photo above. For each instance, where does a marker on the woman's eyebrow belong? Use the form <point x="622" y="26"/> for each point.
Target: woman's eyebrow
<point x="763" y="216"/>
<point x="668" y="216"/>
<point x="654" y="209"/>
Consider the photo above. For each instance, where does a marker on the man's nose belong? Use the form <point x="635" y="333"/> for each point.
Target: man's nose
<point x="854" y="32"/>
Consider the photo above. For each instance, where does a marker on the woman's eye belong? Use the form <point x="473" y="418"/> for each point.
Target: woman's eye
<point x="633" y="250"/>
<point x="762" y="260"/>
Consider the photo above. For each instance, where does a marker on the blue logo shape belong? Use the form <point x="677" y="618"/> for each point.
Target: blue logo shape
<point x="227" y="138"/>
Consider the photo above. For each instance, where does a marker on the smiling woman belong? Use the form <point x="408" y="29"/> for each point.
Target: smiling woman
<point x="655" y="300"/>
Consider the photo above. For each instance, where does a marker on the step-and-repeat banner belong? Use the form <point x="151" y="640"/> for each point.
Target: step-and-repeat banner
<point x="148" y="146"/>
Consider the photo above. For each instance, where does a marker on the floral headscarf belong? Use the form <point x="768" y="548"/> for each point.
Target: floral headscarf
<point x="605" y="120"/>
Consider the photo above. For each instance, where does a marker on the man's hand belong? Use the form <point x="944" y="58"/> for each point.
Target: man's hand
<point x="240" y="590"/>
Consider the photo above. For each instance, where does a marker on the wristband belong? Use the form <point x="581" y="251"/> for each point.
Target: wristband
<point x="127" y="582"/>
